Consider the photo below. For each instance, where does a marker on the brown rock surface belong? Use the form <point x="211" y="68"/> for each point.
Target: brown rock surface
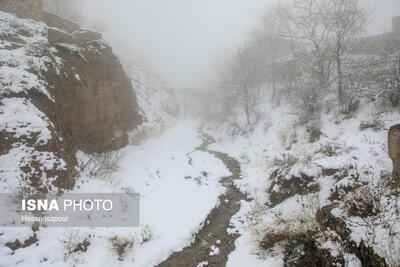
<point x="23" y="8"/>
<point x="90" y="104"/>
<point x="95" y="99"/>
<point x="394" y="151"/>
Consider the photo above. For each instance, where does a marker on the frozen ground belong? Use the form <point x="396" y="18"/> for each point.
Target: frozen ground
<point x="169" y="173"/>
<point x="175" y="199"/>
<point x="176" y="196"/>
<point x="349" y="146"/>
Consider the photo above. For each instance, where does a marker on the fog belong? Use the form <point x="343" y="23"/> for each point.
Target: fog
<point x="186" y="41"/>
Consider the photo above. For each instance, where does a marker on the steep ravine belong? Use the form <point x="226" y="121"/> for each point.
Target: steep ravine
<point x="217" y="222"/>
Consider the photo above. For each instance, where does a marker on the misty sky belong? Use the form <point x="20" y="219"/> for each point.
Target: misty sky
<point x="186" y="41"/>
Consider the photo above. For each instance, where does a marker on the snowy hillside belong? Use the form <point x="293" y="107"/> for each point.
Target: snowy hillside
<point x="292" y="180"/>
<point x="47" y="83"/>
<point x="158" y="104"/>
<point x="24" y="58"/>
<point x="287" y="155"/>
<point x="175" y="199"/>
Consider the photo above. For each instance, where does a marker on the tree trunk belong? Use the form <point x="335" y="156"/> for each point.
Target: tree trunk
<point x="273" y="86"/>
<point x="247" y="112"/>
<point x="340" y="78"/>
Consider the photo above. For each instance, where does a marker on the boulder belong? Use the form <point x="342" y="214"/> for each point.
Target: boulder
<point x="394" y="151"/>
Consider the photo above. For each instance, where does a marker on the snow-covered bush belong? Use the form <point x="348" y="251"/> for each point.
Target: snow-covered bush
<point x="332" y="148"/>
<point x="121" y="246"/>
<point x="146" y="233"/>
<point x="283" y="164"/>
<point x="389" y="84"/>
<point x="73" y="243"/>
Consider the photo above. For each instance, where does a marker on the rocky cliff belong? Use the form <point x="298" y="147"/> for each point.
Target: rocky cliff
<point x="23" y="8"/>
<point x="62" y="90"/>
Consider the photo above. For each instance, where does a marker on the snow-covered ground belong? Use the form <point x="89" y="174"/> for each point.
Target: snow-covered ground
<point x="162" y="165"/>
<point x="360" y="151"/>
<point x="175" y="199"/>
<point x="179" y="185"/>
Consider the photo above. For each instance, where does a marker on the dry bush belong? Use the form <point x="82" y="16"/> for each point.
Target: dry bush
<point x="392" y="255"/>
<point x="100" y="165"/>
<point x="310" y="204"/>
<point x="377" y="205"/>
<point x="146" y="233"/>
<point x="376" y="124"/>
<point x="285" y="161"/>
<point x="284" y="226"/>
<point x="282" y="165"/>
<point x="121" y="246"/>
<point x="73" y="243"/>
<point x="331" y="149"/>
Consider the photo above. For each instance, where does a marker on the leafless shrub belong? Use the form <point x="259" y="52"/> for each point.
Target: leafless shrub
<point x="375" y="123"/>
<point x="331" y="149"/>
<point x="310" y="204"/>
<point x="121" y="246"/>
<point x="73" y="243"/>
<point x="100" y="165"/>
<point x="351" y="101"/>
<point x="377" y="206"/>
<point x="254" y="216"/>
<point x="390" y="83"/>
<point x="241" y="82"/>
<point x="285" y="162"/>
<point x="285" y="225"/>
<point x="392" y="255"/>
<point x="147" y="233"/>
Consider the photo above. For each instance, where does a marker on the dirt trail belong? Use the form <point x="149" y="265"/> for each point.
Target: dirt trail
<point x="217" y="222"/>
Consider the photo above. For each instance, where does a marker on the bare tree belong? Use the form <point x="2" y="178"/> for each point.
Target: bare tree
<point x="347" y="21"/>
<point x="242" y="82"/>
<point x="325" y="28"/>
<point x="390" y="83"/>
<point x="304" y="25"/>
<point x="271" y="47"/>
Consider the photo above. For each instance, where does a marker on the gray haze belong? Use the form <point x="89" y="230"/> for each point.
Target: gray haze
<point x="185" y="41"/>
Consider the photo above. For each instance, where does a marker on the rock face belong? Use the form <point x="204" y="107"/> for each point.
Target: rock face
<point x="94" y="97"/>
<point x="23" y="8"/>
<point x="394" y="151"/>
<point x="61" y="90"/>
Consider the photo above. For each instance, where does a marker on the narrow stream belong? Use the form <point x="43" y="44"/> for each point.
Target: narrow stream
<point x="217" y="222"/>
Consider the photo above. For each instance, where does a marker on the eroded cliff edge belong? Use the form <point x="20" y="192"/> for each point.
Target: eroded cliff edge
<point x="62" y="90"/>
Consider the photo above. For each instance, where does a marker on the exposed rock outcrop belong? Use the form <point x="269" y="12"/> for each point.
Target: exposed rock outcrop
<point x="23" y="8"/>
<point x="62" y="90"/>
<point x="94" y="97"/>
<point x="394" y="151"/>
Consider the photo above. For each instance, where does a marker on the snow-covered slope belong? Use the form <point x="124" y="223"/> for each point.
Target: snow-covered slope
<point x="176" y="198"/>
<point x="157" y="103"/>
<point x="292" y="180"/>
<point x="54" y="102"/>
<point x="26" y="132"/>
